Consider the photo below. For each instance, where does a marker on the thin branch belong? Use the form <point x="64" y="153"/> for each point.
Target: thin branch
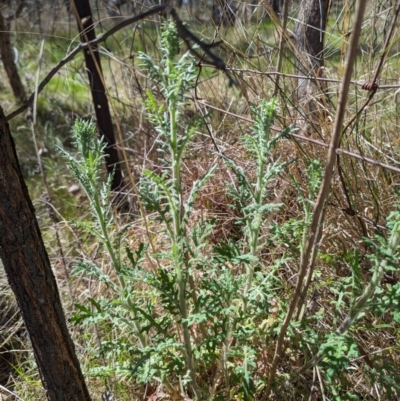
<point x="282" y="37"/>
<point x="363" y="85"/>
<point x="308" y="139"/>
<point x="373" y="86"/>
<point x="165" y="9"/>
<point x="317" y="220"/>
<point x="189" y="37"/>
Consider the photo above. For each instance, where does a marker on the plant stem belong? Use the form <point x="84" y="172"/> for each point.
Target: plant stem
<point x="254" y="226"/>
<point x="177" y="245"/>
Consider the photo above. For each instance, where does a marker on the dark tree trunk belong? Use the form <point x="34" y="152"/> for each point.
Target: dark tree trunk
<point x="7" y="56"/>
<point x="276" y="6"/>
<point x="223" y="13"/>
<point x="29" y="273"/>
<point x="310" y="31"/>
<point x="100" y="102"/>
<point x="310" y="34"/>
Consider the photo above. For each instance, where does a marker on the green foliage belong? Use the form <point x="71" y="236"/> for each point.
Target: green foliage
<point x="337" y="352"/>
<point x="292" y="233"/>
<point x="202" y="318"/>
<point x="250" y="195"/>
<point x="88" y="170"/>
<point x="192" y="291"/>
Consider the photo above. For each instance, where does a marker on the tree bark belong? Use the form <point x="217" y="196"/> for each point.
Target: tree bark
<point x="310" y="30"/>
<point x="223" y="13"/>
<point x="31" y="278"/>
<point x="92" y="59"/>
<point x="7" y="56"/>
<point x="276" y="6"/>
<point x="310" y="34"/>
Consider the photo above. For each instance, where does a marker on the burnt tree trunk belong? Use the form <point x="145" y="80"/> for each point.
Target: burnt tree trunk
<point x="7" y="57"/>
<point x="100" y="102"/>
<point x="310" y="35"/>
<point x="29" y="273"/>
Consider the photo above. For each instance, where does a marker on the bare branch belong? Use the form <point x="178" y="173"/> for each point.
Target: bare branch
<point x="164" y="9"/>
<point x="308" y="139"/>
<point x="306" y="262"/>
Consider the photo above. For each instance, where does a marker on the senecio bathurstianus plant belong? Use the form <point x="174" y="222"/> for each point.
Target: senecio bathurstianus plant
<point x="175" y="79"/>
<point x="252" y="194"/>
<point x="191" y="290"/>
<point x="162" y="193"/>
<point x="88" y="171"/>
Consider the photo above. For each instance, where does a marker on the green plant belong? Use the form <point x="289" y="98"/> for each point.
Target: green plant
<point x="224" y="307"/>
<point x="88" y="171"/>
<point x="202" y="318"/>
<point x="198" y="314"/>
<point x="338" y="347"/>
<point x="164" y="193"/>
<point x="250" y="194"/>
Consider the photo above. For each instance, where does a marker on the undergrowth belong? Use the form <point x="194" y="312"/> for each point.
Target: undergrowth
<point x="192" y="317"/>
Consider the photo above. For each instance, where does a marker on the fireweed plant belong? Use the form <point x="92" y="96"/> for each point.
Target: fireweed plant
<point x="203" y="319"/>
